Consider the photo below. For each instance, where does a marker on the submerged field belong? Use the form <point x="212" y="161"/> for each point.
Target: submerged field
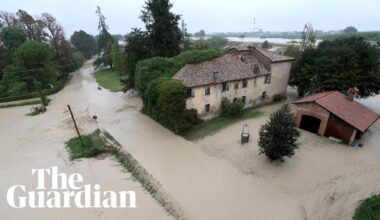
<point x="109" y="79"/>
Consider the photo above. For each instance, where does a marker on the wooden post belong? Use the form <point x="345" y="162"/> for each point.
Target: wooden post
<point x="76" y="127"/>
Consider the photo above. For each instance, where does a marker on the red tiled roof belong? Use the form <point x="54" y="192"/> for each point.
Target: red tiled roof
<point x="352" y="112"/>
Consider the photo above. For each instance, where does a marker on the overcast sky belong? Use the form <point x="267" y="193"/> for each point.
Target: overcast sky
<point x="211" y="15"/>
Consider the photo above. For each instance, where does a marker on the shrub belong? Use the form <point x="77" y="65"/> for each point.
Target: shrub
<point x="232" y="109"/>
<point x="278" y="98"/>
<point x="369" y="209"/>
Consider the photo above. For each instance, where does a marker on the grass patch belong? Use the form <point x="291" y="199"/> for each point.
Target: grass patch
<point x="216" y="124"/>
<point x="109" y="79"/>
<point x="369" y="209"/>
<point x="93" y="145"/>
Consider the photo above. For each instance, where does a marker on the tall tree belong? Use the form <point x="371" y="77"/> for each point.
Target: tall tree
<point x="137" y="48"/>
<point x="105" y="40"/>
<point x="84" y="43"/>
<point x="339" y="64"/>
<point x="162" y="27"/>
<point x="308" y="37"/>
<point x="278" y="137"/>
<point x="185" y="39"/>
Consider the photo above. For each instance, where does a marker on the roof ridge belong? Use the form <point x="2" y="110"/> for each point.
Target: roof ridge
<point x="327" y="94"/>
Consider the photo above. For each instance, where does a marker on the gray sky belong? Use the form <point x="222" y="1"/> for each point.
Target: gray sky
<point x="211" y="15"/>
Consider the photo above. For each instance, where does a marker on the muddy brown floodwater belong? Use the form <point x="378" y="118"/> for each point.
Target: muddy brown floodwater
<point x="215" y="178"/>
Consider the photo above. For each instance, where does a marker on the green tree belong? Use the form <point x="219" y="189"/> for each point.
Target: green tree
<point x="278" y="137"/>
<point x="200" y="33"/>
<point x="186" y="40"/>
<point x="33" y="61"/>
<point x="217" y="41"/>
<point x="162" y="27"/>
<point x="137" y="48"/>
<point x="265" y="45"/>
<point x="293" y="50"/>
<point x="339" y="64"/>
<point x="12" y="38"/>
<point x="118" y="59"/>
<point x="350" y="30"/>
<point x="84" y="43"/>
<point x="308" y="37"/>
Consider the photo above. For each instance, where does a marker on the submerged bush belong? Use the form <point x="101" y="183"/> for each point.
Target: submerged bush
<point x="232" y="109"/>
<point x="93" y="145"/>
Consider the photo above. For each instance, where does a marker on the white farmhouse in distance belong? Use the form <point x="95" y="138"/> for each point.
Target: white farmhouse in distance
<point x="250" y="73"/>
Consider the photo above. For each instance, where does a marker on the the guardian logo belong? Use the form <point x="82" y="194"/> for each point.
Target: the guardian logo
<point x="65" y="191"/>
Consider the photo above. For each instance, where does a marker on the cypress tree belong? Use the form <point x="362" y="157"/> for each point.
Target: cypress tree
<point x="162" y="27"/>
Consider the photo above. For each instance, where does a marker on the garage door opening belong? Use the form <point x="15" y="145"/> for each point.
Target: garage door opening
<point x="310" y="123"/>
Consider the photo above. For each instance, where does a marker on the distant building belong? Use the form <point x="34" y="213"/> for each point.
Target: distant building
<point x="249" y="73"/>
<point x="332" y="114"/>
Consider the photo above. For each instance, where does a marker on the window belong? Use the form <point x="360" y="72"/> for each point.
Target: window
<point x="207" y="108"/>
<point x="263" y="95"/>
<point x="236" y="85"/>
<point x="207" y="90"/>
<point x="243" y="99"/>
<point x="215" y="75"/>
<point x="190" y="92"/>
<point x="268" y="78"/>
<point x="225" y="86"/>
<point x="245" y="83"/>
<point x="256" y="69"/>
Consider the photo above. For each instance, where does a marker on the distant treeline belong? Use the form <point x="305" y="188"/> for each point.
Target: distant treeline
<point x="370" y="35"/>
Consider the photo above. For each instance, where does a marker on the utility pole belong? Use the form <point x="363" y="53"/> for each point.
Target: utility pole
<point x="76" y="127"/>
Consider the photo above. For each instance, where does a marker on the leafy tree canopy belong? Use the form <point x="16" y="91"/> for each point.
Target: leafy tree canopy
<point x="84" y="43"/>
<point x="12" y="38"/>
<point x="338" y="65"/>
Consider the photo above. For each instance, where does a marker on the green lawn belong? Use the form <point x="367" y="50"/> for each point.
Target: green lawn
<point x="109" y="79"/>
<point x="216" y="124"/>
<point x="369" y="209"/>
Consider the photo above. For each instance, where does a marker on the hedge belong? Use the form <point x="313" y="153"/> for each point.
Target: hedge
<point x="165" y="98"/>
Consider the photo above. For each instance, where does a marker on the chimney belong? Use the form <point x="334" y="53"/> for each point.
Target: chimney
<point x="352" y="93"/>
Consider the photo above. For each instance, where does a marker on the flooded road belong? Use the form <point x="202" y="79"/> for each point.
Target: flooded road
<point x="216" y="178"/>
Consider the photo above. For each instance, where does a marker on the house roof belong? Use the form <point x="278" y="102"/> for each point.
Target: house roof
<point x="272" y="56"/>
<point x="229" y="67"/>
<point x="352" y="112"/>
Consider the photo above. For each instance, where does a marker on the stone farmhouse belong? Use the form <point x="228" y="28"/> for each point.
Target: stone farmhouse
<point x="249" y="73"/>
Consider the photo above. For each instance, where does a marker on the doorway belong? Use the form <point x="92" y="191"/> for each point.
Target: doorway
<point x="310" y="123"/>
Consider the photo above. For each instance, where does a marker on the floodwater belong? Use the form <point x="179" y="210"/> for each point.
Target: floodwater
<point x="215" y="178"/>
<point x="261" y="40"/>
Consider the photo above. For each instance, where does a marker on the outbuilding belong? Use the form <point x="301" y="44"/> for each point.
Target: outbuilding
<point x="333" y="114"/>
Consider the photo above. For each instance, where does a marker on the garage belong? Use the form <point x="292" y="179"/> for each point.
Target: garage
<point x="310" y="123"/>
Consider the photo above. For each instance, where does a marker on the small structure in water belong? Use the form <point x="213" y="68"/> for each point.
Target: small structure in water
<point x="245" y="134"/>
